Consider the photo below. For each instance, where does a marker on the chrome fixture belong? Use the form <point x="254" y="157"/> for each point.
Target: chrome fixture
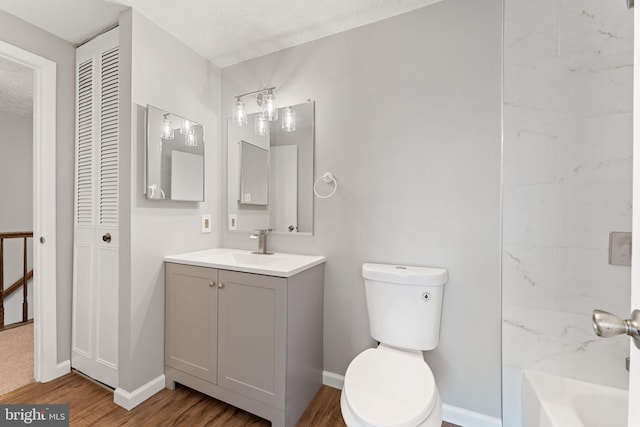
<point x="262" y="241"/>
<point x="265" y="98"/>
<point x="607" y="325"/>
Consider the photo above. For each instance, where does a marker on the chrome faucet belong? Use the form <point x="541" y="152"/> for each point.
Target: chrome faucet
<point x="261" y="235"/>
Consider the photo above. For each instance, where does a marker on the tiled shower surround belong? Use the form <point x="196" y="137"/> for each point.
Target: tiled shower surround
<point x="568" y="68"/>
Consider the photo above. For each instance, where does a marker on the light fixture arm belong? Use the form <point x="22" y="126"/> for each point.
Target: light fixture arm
<point x="266" y="90"/>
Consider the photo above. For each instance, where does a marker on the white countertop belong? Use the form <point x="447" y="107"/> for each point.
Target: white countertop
<point x="277" y="264"/>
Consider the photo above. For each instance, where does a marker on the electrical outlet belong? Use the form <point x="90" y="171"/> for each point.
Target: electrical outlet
<point x="233" y="222"/>
<point x="206" y="223"/>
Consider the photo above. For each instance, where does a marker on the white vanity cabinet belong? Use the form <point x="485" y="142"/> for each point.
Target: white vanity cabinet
<point x="251" y="340"/>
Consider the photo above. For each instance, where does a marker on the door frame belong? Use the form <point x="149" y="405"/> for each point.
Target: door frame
<point x="46" y="366"/>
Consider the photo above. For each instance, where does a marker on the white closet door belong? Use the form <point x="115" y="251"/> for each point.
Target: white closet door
<point x="96" y="237"/>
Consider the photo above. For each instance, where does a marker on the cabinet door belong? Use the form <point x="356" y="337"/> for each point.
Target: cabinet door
<point x="191" y="329"/>
<point x="251" y="346"/>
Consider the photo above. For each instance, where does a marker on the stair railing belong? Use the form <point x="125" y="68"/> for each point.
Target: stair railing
<point x="22" y="282"/>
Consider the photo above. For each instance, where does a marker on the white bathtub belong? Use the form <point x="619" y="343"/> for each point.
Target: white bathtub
<point x="553" y="401"/>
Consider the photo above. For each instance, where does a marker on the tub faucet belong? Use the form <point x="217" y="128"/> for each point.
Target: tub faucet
<point x="261" y="235"/>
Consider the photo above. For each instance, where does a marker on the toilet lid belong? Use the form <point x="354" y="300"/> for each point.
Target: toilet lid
<point x="387" y="387"/>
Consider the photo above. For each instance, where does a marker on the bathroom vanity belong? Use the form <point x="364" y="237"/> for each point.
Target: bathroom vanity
<point x="246" y="329"/>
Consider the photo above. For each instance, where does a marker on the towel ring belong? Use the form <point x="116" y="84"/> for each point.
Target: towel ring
<point x="328" y="178"/>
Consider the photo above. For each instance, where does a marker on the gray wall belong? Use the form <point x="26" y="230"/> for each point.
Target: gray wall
<point x="33" y="39"/>
<point x="16" y="198"/>
<point x="189" y="86"/>
<point x="408" y="118"/>
<point x="568" y="68"/>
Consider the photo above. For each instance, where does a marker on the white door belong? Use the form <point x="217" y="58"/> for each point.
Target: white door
<point x="95" y="250"/>
<point x="634" y="372"/>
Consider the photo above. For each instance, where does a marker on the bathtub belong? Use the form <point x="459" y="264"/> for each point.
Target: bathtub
<point x="553" y="401"/>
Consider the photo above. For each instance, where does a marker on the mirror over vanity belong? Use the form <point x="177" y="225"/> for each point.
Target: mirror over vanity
<point x="175" y="157"/>
<point x="270" y="176"/>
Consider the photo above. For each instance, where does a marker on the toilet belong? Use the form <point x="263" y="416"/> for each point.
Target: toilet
<point x="392" y="385"/>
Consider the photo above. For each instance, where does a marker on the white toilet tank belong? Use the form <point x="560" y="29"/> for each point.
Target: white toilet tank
<point x="404" y="304"/>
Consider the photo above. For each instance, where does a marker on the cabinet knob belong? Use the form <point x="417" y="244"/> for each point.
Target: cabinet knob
<point x="106" y="238"/>
<point x="220" y="285"/>
<point x="211" y="284"/>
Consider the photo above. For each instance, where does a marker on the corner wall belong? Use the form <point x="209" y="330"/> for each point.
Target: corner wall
<point x="567" y="184"/>
<point x="408" y="119"/>
<point x="187" y="84"/>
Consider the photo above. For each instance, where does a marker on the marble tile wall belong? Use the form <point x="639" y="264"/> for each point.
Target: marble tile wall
<point x="567" y="162"/>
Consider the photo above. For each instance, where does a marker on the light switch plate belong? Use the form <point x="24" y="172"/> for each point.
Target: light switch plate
<point x="619" y="248"/>
<point x="233" y="222"/>
<point x="206" y="223"/>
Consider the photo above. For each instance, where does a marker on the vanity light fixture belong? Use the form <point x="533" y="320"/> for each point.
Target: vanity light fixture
<point x="167" y="127"/>
<point x="265" y="100"/>
<point x="288" y="119"/>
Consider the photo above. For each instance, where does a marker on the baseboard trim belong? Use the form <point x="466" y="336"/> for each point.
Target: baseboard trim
<point x="464" y="417"/>
<point x="332" y="380"/>
<point x="63" y="368"/>
<point x="130" y="400"/>
<point x="451" y="414"/>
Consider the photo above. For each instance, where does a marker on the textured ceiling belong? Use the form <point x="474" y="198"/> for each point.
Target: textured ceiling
<point x="231" y="31"/>
<point x="16" y="88"/>
<point x="224" y="31"/>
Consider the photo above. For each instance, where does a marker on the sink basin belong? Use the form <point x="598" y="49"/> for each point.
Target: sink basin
<point x="278" y="264"/>
<point x="237" y="258"/>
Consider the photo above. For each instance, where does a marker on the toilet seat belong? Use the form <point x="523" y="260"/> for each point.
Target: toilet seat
<point x="390" y="387"/>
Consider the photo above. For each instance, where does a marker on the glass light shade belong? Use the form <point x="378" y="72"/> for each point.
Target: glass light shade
<point x="270" y="110"/>
<point x="261" y="125"/>
<point x="167" y="128"/>
<point x="190" y="139"/>
<point x="288" y="119"/>
<point x="239" y="113"/>
<point x="185" y="127"/>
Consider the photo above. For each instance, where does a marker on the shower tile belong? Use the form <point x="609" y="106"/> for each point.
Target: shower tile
<point x="564" y="279"/>
<point x="596" y="149"/>
<point x="534" y="87"/>
<point x="594" y="26"/>
<point x="531" y="215"/>
<point x="590" y="211"/>
<point x="530" y="30"/>
<point x="530" y="151"/>
<point x="563" y="344"/>
<point x="589" y="91"/>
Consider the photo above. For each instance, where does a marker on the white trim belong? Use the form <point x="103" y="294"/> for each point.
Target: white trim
<point x="130" y="400"/>
<point x="332" y="380"/>
<point x="464" y="417"/>
<point x="46" y="365"/>
<point x="451" y="414"/>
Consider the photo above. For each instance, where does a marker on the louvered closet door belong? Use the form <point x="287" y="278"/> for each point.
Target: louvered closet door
<point x="96" y="238"/>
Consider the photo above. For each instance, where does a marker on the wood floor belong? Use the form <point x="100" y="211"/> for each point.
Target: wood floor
<point x="91" y="404"/>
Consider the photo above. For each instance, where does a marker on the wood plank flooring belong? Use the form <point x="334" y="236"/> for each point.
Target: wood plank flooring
<point x="91" y="404"/>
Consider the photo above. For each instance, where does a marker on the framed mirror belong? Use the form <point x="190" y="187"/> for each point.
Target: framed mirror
<point x="175" y="157"/>
<point x="270" y="177"/>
